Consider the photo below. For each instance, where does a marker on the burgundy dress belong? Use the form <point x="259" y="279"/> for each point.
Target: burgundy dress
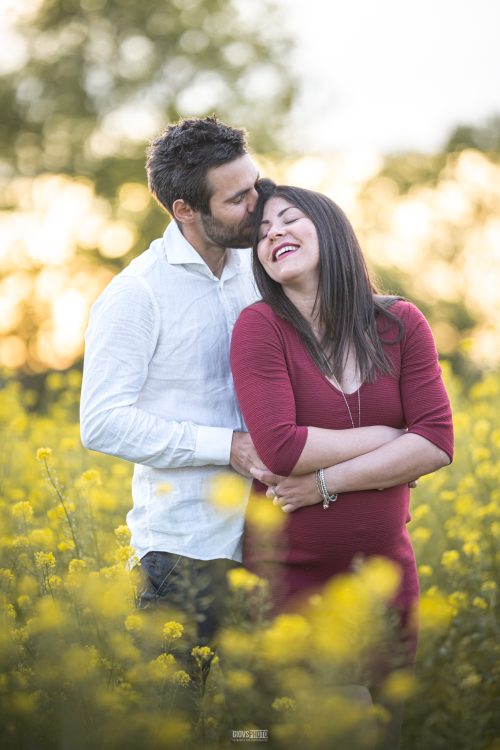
<point x="281" y="391"/>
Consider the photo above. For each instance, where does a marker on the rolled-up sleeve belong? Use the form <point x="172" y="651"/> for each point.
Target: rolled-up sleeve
<point x="264" y="391"/>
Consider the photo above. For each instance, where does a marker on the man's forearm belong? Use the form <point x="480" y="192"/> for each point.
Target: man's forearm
<point x="399" y="462"/>
<point x="138" y="436"/>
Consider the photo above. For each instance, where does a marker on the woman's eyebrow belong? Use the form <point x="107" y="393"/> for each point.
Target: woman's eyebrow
<point x="280" y="214"/>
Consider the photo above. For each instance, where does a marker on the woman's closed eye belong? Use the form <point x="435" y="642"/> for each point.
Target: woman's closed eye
<point x="263" y="234"/>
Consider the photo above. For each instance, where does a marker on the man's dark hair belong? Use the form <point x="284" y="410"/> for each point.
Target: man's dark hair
<point x="179" y="159"/>
<point x="347" y="302"/>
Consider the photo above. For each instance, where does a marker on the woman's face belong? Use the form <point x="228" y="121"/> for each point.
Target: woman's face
<point x="288" y="245"/>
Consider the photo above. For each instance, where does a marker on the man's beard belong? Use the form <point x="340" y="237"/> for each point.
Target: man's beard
<point x="225" y="236"/>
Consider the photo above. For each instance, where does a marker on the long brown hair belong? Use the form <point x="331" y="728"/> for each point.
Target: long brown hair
<point x="346" y="301"/>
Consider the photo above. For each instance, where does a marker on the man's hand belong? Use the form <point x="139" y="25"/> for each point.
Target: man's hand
<point x="243" y="454"/>
<point x="289" y="493"/>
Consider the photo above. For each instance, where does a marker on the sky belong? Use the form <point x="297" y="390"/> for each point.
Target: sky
<point x="391" y="75"/>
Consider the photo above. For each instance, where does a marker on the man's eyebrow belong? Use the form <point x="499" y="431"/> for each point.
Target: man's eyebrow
<point x="242" y="192"/>
<point x="280" y="214"/>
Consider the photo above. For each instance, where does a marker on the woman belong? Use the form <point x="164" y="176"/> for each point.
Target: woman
<point x="323" y="367"/>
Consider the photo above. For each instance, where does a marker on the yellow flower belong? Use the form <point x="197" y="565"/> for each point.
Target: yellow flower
<point x="23" y="510"/>
<point x="172" y="630"/>
<point x="235" y="643"/>
<point x="80" y="662"/>
<point x="181" y="678"/>
<point x="124" y="554"/>
<point x="479" y="602"/>
<point x="171" y="732"/>
<point x="450" y="558"/>
<point x="133" y="623"/>
<point x="202" y="654"/>
<point x="24" y="704"/>
<point x="489" y="586"/>
<point x="50" y="616"/>
<point x="242" y="579"/>
<point x="380" y="576"/>
<point x="90" y="477"/>
<point x="284" y="704"/>
<point x="45" y="560"/>
<point x="263" y="515"/>
<point x="239" y="680"/>
<point x="55" y="514"/>
<point x="421" y="534"/>
<point x="54" y="582"/>
<point x="481" y="429"/>
<point x="400" y="685"/>
<point x="23" y="601"/>
<point x="421" y="511"/>
<point x="472" y="549"/>
<point x="447" y="495"/>
<point x="425" y="571"/>
<point x="287" y="639"/>
<point x="458" y="600"/>
<point x="76" y="566"/>
<point x="228" y="491"/>
<point x="42" y="537"/>
<point x="435" y="611"/>
<point x="472" y="680"/>
<point x="481" y="454"/>
<point x="43" y="453"/>
<point x="66" y="546"/>
<point x="7" y="577"/>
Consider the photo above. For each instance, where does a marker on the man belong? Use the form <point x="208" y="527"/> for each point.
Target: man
<point x="157" y="388"/>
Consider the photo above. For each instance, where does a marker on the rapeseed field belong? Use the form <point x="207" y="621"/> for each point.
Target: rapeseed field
<point x="81" y="667"/>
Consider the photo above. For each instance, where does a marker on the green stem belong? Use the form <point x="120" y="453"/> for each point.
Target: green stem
<point x="54" y="484"/>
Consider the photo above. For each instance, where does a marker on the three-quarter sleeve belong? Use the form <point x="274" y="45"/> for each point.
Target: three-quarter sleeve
<point x="264" y="391"/>
<point x="425" y="402"/>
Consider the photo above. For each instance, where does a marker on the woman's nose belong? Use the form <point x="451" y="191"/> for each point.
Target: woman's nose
<point x="275" y="230"/>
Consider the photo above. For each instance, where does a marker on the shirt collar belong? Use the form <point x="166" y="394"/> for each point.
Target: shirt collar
<point x="179" y="251"/>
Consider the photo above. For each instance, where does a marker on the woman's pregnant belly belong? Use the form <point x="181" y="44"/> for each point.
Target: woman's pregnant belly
<point x="358" y="524"/>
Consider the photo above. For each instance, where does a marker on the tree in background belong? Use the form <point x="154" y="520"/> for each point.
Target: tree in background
<point x="88" y="84"/>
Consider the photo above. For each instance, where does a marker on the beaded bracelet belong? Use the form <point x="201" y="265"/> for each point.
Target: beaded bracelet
<point x="323" y="489"/>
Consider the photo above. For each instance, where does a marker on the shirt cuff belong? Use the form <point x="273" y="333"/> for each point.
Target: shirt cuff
<point x="213" y="445"/>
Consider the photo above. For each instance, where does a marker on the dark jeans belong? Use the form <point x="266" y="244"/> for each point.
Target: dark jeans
<point x="196" y="588"/>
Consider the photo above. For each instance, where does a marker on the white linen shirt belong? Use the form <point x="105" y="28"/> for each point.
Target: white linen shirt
<point x="157" y="390"/>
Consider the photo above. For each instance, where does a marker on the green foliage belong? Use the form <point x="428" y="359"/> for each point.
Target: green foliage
<point x="484" y="137"/>
<point x="89" y="60"/>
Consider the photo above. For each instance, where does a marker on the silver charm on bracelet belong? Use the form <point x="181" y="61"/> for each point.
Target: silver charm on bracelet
<point x="323" y="489"/>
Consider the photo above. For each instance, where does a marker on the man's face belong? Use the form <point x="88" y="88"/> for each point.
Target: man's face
<point x="232" y="204"/>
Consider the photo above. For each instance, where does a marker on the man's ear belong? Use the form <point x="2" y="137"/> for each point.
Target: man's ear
<point x="182" y="212"/>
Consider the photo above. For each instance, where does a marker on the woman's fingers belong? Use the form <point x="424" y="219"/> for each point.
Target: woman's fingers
<point x="265" y="476"/>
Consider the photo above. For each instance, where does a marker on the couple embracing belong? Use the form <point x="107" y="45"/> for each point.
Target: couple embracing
<point x="281" y="361"/>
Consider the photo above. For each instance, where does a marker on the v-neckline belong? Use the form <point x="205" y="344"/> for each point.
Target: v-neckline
<point x="339" y="390"/>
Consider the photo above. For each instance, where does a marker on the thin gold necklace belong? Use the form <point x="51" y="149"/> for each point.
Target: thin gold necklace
<point x="338" y="386"/>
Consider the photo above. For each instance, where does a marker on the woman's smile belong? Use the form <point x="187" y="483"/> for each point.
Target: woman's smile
<point x="284" y="249"/>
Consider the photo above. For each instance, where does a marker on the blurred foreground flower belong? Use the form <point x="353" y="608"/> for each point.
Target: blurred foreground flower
<point x="228" y="491"/>
<point x="240" y="578"/>
<point x="263" y="516"/>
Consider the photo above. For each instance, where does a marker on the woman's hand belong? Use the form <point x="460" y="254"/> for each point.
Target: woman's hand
<point x="289" y="493"/>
